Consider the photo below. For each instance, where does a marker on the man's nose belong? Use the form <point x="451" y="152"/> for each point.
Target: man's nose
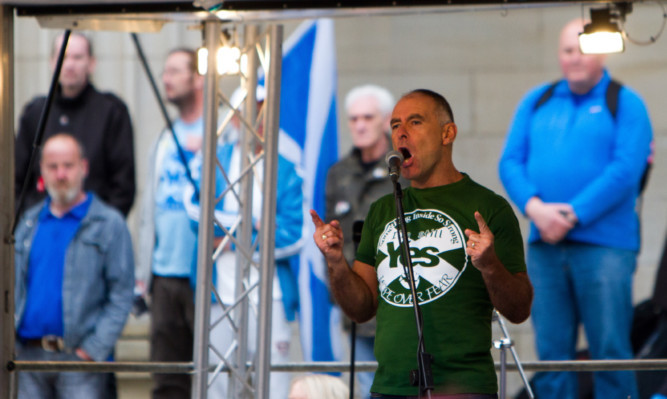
<point x="360" y="125"/>
<point x="67" y="62"/>
<point x="61" y="173"/>
<point x="400" y="131"/>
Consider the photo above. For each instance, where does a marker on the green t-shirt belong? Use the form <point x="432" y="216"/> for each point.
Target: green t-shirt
<point x="453" y="299"/>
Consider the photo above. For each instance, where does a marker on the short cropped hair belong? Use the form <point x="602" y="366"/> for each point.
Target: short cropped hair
<point x="191" y="53"/>
<point x="62" y="36"/>
<point x="79" y="144"/>
<point x="439" y="99"/>
<point x="383" y="97"/>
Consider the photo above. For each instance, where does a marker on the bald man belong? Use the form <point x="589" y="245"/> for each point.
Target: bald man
<point x="74" y="277"/>
<point x="574" y="167"/>
<point x="467" y="254"/>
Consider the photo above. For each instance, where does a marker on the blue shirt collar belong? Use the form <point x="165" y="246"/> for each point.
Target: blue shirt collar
<point x="78" y="212"/>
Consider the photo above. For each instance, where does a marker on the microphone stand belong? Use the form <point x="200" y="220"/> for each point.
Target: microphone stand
<point x="356" y="238"/>
<point x="423" y="376"/>
<point x="503" y="344"/>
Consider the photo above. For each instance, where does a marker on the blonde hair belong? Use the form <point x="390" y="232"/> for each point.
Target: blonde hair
<point x="321" y="386"/>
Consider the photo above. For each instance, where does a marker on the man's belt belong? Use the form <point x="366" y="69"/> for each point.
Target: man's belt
<point x="49" y="343"/>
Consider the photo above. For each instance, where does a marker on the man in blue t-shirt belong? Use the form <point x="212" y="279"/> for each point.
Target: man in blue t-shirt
<point x="74" y="277"/>
<point x="574" y="168"/>
<point x="167" y="245"/>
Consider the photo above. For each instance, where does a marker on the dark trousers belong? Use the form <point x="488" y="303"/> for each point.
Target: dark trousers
<point x="172" y="331"/>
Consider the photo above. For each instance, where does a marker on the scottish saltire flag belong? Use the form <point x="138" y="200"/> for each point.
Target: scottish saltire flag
<point x="308" y="116"/>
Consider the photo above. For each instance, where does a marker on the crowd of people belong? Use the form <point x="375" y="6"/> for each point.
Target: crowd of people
<point x="574" y="164"/>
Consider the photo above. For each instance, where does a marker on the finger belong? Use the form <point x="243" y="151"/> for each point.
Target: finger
<point x="483" y="228"/>
<point x="317" y="221"/>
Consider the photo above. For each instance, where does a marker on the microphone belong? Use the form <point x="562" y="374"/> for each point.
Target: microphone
<point x="357" y="226"/>
<point x="394" y="160"/>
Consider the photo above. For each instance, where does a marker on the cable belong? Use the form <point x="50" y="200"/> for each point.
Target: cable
<point x="652" y="39"/>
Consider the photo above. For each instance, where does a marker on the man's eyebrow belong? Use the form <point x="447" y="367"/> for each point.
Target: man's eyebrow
<point x="409" y="118"/>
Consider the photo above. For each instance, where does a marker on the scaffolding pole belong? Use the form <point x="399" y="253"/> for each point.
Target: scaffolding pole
<point x="272" y="124"/>
<point x="6" y="197"/>
<point x="239" y="379"/>
<point x="207" y="192"/>
<point x="246" y="363"/>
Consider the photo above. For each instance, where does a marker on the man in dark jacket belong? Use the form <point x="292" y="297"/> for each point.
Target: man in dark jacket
<point x="99" y="120"/>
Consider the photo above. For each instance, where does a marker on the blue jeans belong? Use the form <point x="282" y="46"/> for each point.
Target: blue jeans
<point x="57" y="385"/>
<point x="581" y="283"/>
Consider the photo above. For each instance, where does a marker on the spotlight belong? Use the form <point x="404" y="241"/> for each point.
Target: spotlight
<point x="602" y="35"/>
<point x="227" y="60"/>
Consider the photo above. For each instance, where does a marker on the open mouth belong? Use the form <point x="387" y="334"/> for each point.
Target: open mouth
<point x="405" y="152"/>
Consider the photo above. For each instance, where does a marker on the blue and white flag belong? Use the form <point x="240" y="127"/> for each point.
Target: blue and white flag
<point x="308" y="115"/>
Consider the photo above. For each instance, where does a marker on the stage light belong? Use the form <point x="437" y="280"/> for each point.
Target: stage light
<point x="227" y="60"/>
<point x="601" y="35"/>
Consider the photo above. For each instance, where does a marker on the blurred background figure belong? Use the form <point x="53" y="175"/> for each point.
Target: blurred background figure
<point x="167" y="244"/>
<point x="74" y="271"/>
<point x="288" y="242"/>
<point x="573" y="163"/>
<point x="354" y="183"/>
<point x="99" y="120"/>
<point x="318" y="386"/>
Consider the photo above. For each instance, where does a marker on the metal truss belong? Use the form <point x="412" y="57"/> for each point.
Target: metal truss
<point x="256" y="135"/>
<point x="248" y="370"/>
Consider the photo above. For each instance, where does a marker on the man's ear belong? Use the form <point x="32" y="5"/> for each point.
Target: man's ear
<point x="198" y="81"/>
<point x="85" y="166"/>
<point x="449" y="132"/>
<point x="91" y="66"/>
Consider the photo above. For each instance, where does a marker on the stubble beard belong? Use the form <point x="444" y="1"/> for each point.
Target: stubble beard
<point x="65" y="196"/>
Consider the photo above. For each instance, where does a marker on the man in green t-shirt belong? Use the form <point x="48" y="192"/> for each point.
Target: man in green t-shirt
<point x="465" y="264"/>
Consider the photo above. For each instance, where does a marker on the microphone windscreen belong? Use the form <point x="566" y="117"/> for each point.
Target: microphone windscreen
<point x="394" y="156"/>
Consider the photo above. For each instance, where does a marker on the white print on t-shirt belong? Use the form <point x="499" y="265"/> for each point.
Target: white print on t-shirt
<point x="437" y="250"/>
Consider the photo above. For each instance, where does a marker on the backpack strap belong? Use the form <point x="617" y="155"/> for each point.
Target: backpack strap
<point x="611" y="97"/>
<point x="546" y="95"/>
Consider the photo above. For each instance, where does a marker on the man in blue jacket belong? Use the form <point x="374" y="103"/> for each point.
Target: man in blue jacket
<point x="574" y="169"/>
<point x="74" y="277"/>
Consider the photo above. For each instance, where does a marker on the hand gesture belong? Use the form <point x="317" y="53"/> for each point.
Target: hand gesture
<point x="328" y="238"/>
<point x="480" y="245"/>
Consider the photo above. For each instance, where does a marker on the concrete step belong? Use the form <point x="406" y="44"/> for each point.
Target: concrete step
<point x="134" y="346"/>
<point x="134" y="343"/>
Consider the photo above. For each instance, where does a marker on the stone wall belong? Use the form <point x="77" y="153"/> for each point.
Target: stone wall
<point x="483" y="61"/>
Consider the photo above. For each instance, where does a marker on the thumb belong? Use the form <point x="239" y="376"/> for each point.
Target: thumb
<point x="481" y="223"/>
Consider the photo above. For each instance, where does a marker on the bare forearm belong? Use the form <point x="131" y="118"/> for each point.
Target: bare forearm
<point x="351" y="293"/>
<point x="355" y="289"/>
<point x="511" y="294"/>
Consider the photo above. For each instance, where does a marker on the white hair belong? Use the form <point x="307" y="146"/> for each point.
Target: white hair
<point x="383" y="97"/>
<point x="321" y="386"/>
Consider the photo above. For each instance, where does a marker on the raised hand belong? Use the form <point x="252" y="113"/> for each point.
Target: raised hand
<point x="480" y="245"/>
<point x="328" y="238"/>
